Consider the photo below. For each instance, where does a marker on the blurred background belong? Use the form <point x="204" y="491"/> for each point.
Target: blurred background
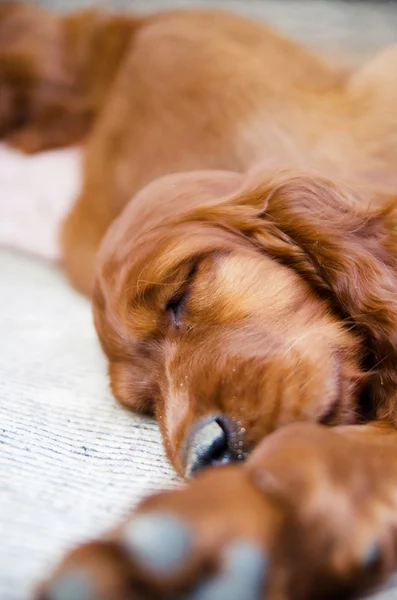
<point x="354" y="29"/>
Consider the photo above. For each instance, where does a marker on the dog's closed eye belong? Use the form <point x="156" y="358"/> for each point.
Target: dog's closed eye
<point x="176" y="306"/>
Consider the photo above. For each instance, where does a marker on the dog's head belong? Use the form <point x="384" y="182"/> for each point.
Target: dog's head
<point x="229" y="310"/>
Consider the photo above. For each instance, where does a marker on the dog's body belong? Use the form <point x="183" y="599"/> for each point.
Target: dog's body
<point x="251" y="289"/>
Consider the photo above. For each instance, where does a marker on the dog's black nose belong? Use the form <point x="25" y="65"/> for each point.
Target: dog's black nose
<point x="214" y="441"/>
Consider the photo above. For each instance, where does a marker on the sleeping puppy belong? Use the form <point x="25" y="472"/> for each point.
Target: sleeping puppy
<point x="246" y="295"/>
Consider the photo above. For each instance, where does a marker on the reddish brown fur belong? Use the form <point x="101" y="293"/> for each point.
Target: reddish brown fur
<point x="281" y="228"/>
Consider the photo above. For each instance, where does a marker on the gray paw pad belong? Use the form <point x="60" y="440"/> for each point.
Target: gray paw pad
<point x="243" y="575"/>
<point x="161" y="542"/>
<point x="73" y="585"/>
<point x="372" y="556"/>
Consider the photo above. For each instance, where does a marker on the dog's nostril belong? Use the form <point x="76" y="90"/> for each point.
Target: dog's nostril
<point x="213" y="442"/>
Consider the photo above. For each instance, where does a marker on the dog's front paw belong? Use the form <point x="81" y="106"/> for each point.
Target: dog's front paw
<point x="297" y="521"/>
<point x="208" y="541"/>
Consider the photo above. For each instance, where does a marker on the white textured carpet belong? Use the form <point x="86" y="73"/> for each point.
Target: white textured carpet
<point x="71" y="460"/>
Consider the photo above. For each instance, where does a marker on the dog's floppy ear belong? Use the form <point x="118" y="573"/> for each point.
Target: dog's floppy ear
<point x="352" y="248"/>
<point x="345" y="246"/>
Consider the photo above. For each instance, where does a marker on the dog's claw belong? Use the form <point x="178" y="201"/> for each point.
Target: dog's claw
<point x="243" y="576"/>
<point x="159" y="542"/>
<point x="71" y="585"/>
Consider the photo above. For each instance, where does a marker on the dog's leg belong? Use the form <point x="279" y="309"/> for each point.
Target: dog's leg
<point x="312" y="513"/>
<point x="35" y="194"/>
